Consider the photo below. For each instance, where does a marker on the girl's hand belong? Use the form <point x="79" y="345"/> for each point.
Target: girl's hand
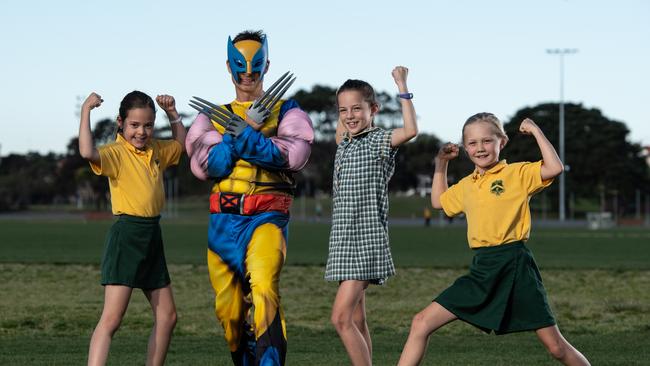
<point x="167" y="103"/>
<point x="528" y="127"/>
<point x="94" y="100"/>
<point x="399" y="74"/>
<point x="448" y="151"/>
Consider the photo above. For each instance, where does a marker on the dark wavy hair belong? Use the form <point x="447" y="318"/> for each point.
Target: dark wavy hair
<point x="362" y="87"/>
<point x="135" y="99"/>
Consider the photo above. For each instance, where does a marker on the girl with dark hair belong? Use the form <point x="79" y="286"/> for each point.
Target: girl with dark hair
<point x="359" y="253"/>
<point x="133" y="254"/>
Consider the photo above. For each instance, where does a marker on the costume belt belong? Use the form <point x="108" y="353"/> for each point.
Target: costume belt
<point x="241" y="204"/>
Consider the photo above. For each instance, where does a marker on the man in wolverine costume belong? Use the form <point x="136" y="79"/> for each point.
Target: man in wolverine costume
<point x="250" y="148"/>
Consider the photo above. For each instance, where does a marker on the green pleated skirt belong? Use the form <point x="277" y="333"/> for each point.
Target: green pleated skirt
<point x="503" y="291"/>
<point x="134" y="255"/>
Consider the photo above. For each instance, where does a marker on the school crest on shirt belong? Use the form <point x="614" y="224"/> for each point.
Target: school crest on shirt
<point x="497" y="187"/>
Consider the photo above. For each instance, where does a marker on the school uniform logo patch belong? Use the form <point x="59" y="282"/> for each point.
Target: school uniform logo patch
<point x="497" y="187"/>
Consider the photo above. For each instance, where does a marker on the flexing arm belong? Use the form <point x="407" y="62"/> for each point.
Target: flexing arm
<point x="168" y="104"/>
<point x="439" y="185"/>
<point x="87" y="148"/>
<point x="552" y="165"/>
<point x="410" y="129"/>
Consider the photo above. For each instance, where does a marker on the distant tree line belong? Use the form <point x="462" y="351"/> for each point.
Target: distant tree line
<point x="602" y="162"/>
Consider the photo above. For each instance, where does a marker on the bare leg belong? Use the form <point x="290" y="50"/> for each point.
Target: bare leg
<point x="424" y="323"/>
<point x="359" y="319"/>
<point x="164" y="312"/>
<point x="348" y="298"/>
<point x="116" y="300"/>
<point x="559" y="348"/>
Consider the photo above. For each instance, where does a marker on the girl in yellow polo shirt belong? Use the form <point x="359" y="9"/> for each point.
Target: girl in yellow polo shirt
<point x="503" y="291"/>
<point x="133" y="255"/>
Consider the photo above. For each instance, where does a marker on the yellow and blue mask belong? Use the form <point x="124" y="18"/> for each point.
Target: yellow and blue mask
<point x="247" y="56"/>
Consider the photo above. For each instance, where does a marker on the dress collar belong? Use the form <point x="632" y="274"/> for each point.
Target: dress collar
<point x="361" y="133"/>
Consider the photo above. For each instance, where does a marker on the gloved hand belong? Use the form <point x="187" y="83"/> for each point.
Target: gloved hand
<point x="232" y="123"/>
<point x="235" y="126"/>
<point x="261" y="108"/>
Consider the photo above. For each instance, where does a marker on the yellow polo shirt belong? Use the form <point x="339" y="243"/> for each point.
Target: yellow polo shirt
<point x="496" y="203"/>
<point x="135" y="176"/>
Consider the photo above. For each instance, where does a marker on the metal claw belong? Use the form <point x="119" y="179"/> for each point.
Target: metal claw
<point x="208" y="110"/>
<point x="284" y="90"/>
<point x="210" y="115"/>
<point x="214" y="114"/>
<point x="215" y="107"/>
<point x="281" y="89"/>
<point x="200" y="110"/>
<point x="265" y="96"/>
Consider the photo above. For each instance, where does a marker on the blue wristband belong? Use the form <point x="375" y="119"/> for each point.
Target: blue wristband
<point x="405" y="95"/>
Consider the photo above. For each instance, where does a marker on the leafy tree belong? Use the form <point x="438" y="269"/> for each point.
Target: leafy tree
<point x="390" y="112"/>
<point x="27" y="179"/>
<point x="104" y="131"/>
<point x="601" y="159"/>
<point x="73" y="167"/>
<point x="320" y="104"/>
<point x="597" y="151"/>
<point x="415" y="161"/>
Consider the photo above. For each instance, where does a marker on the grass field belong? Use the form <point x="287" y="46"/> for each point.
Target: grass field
<point x="598" y="282"/>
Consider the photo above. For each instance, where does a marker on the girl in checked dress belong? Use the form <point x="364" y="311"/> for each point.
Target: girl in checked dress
<point x="359" y="253"/>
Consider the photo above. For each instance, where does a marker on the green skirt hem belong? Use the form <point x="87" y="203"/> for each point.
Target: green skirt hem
<point x="502" y="293"/>
<point x="134" y="255"/>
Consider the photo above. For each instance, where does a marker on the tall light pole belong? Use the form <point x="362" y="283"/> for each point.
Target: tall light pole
<point x="561" y="52"/>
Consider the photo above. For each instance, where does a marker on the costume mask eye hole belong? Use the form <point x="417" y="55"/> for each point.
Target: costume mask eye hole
<point x="258" y="63"/>
<point x="239" y="63"/>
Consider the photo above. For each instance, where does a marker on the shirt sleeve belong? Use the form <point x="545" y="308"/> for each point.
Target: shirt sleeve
<point x="380" y="144"/>
<point x="531" y="177"/>
<point x="109" y="161"/>
<point x="452" y="200"/>
<point x="169" y="153"/>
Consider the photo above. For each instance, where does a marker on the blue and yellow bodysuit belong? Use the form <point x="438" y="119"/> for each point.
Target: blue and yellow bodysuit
<point x="249" y="214"/>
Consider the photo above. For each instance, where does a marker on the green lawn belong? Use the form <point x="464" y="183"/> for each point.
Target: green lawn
<point x="598" y="282"/>
<point x="413" y="246"/>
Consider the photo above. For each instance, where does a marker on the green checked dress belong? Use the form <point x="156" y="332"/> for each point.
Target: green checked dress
<point x="358" y="246"/>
